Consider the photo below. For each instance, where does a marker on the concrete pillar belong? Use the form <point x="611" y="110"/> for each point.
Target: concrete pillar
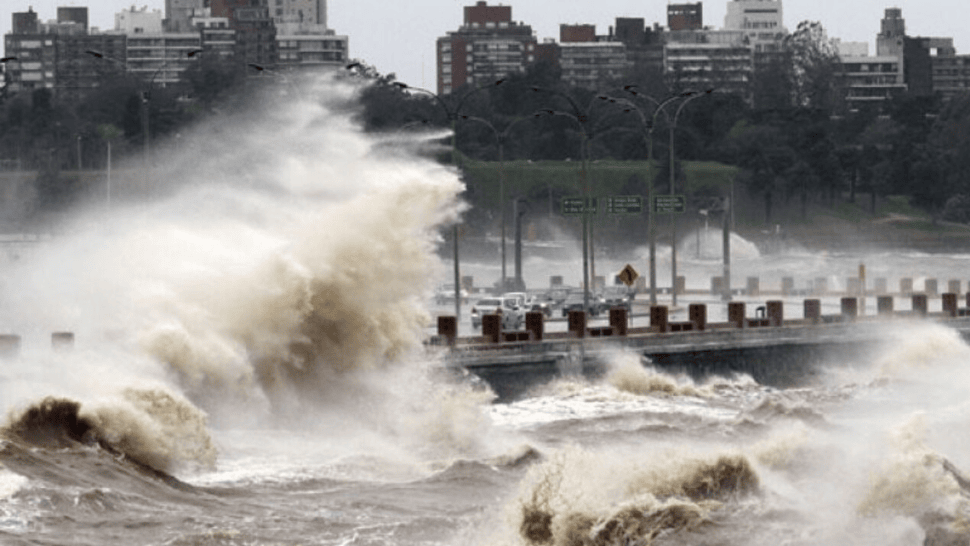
<point x="787" y="285"/>
<point x="776" y="313"/>
<point x="853" y="286"/>
<point x="717" y="286"/>
<point x="953" y="286"/>
<point x="881" y="285"/>
<point x="919" y="304"/>
<point x="535" y="323"/>
<point x="850" y="308"/>
<point x="753" y="287"/>
<point x="821" y="286"/>
<point x="950" y="304"/>
<point x="906" y="286"/>
<point x="618" y="321"/>
<point x="658" y="318"/>
<point x="447" y="328"/>
<point x="736" y="313"/>
<point x="884" y="305"/>
<point x="813" y="311"/>
<point x="555" y="280"/>
<point x="492" y="328"/>
<point x="9" y="345"/>
<point x="697" y="313"/>
<point x="577" y="324"/>
<point x="930" y="287"/>
<point x="681" y="285"/>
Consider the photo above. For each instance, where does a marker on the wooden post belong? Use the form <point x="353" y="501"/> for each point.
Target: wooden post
<point x="950" y="304"/>
<point x="813" y="311"/>
<point x="697" y="312"/>
<point x="919" y="304"/>
<point x="618" y="321"/>
<point x="850" y="308"/>
<point x="736" y="313"/>
<point x="658" y="318"/>
<point x="492" y="327"/>
<point x="577" y="324"/>
<point x="447" y="328"/>
<point x="776" y="313"/>
<point x="535" y="323"/>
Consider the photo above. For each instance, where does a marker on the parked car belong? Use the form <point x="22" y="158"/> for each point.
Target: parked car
<point x="512" y="314"/>
<point x="575" y="301"/>
<point x="446" y="294"/>
<point x="542" y="303"/>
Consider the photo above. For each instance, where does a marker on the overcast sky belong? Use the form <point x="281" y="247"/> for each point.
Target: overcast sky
<point x="399" y="36"/>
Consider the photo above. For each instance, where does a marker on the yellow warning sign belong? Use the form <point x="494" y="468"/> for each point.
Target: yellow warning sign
<point x="628" y="275"/>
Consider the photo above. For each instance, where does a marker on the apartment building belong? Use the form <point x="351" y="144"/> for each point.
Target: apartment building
<point x="487" y="46"/>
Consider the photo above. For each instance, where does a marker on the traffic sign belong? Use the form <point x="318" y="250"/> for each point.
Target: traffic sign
<point x="574" y="206"/>
<point x="624" y="204"/>
<point x="669" y="204"/>
<point x="628" y="275"/>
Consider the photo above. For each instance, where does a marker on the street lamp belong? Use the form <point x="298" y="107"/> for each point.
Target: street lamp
<point x="500" y="139"/>
<point x="452" y="114"/>
<point x="673" y="217"/>
<point x="580" y="116"/>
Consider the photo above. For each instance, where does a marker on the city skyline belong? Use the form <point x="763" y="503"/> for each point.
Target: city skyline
<point x="401" y="40"/>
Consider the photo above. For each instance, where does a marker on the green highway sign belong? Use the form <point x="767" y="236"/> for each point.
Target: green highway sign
<point x="624" y="204"/>
<point x="574" y="206"/>
<point x="669" y="204"/>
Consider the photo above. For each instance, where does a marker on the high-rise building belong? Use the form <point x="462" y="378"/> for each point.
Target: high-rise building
<point x="488" y="46"/>
<point x="299" y="11"/>
<point x="255" y="29"/>
<point x="178" y="14"/>
<point x="685" y="16"/>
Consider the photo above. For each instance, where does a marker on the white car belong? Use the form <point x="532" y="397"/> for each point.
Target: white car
<point x="513" y="315"/>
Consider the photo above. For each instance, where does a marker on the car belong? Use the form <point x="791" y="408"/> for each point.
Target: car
<point x="615" y="296"/>
<point x="575" y="302"/>
<point x="446" y="294"/>
<point x="542" y="303"/>
<point x="512" y="314"/>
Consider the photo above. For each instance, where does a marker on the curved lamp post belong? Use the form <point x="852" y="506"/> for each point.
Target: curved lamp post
<point x="452" y="114"/>
<point x="581" y="116"/>
<point x="500" y="139"/>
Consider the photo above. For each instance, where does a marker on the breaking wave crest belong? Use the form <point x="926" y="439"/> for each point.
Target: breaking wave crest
<point x="571" y="498"/>
<point x="629" y="373"/>
<point x="152" y="428"/>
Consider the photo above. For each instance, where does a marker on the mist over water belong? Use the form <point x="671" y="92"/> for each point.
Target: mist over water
<point x="248" y="369"/>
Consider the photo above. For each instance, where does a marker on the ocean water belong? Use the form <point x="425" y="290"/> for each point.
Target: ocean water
<point x="247" y="369"/>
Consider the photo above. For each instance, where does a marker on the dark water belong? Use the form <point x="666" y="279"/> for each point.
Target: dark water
<point x="248" y="370"/>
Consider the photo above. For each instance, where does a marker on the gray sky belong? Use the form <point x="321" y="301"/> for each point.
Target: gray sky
<point x="399" y="36"/>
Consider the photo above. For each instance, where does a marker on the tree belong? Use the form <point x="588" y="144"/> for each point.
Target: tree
<point x="814" y="68"/>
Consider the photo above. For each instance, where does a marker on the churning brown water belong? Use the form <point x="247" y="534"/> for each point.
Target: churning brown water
<point x="248" y="370"/>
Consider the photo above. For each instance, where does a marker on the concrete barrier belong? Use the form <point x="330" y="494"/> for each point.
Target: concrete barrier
<point x="753" y="286"/>
<point x="884" y="305"/>
<point x="787" y="285"/>
<point x="447" y="328"/>
<point x="659" y="318"/>
<point x="953" y="286"/>
<point x="492" y="327"/>
<point x="821" y="286"/>
<point x="697" y="313"/>
<point x="717" y="286"/>
<point x="535" y="324"/>
<point x="577" y="324"/>
<point x="9" y="345"/>
<point x="906" y="286"/>
<point x="950" y="307"/>
<point x="813" y="311"/>
<point x="681" y="285"/>
<point x="881" y="285"/>
<point x="850" y="308"/>
<point x="919" y="304"/>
